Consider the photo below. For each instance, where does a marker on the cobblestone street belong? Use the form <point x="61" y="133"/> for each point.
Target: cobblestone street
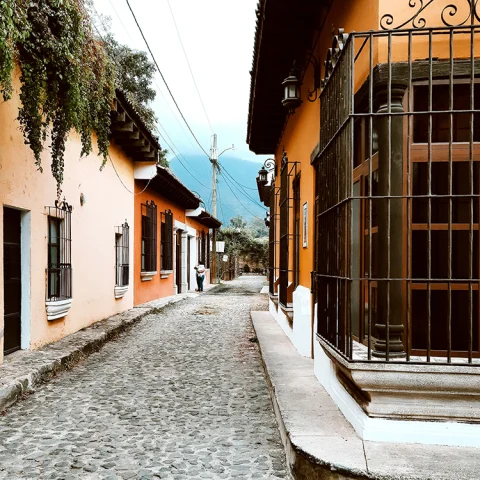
<point x="181" y="395"/>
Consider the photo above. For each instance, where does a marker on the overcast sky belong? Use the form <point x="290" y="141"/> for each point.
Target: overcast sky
<point x="218" y="38"/>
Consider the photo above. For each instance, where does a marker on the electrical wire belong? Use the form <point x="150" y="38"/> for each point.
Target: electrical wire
<point x="164" y="81"/>
<point x="121" y="181"/>
<point x="221" y="205"/>
<point x="189" y="66"/>
<point x="238" y="200"/>
<point x="176" y="153"/>
<point x="243" y="186"/>
<point x="245" y="194"/>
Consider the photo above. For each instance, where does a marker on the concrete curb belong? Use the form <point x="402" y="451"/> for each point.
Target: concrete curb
<point x="321" y="444"/>
<point x="25" y="370"/>
<point x="302" y="465"/>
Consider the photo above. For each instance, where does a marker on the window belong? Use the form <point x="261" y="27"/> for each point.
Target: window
<point x="288" y="172"/>
<point x="59" y="270"/>
<point x="296" y="231"/>
<point x="166" y="238"/>
<point x="443" y="227"/>
<point x="272" y="243"/>
<point x="122" y="267"/>
<point x="149" y="237"/>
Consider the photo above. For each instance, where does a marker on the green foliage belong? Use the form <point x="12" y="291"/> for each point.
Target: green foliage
<point x="134" y="75"/>
<point x="239" y="242"/>
<point x="238" y="222"/>
<point x="257" y="228"/>
<point x="67" y="79"/>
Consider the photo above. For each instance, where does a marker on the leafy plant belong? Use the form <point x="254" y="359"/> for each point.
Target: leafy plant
<point x="67" y="79"/>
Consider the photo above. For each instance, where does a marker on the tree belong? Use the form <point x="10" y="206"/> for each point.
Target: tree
<point x="258" y="228"/>
<point x="134" y="74"/>
<point x="238" y="222"/>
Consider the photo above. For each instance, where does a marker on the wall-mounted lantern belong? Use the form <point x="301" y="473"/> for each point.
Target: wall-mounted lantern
<point x="291" y="98"/>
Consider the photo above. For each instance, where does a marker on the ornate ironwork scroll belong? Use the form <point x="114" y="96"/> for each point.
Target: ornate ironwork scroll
<point x="449" y="15"/>
<point x="334" y="54"/>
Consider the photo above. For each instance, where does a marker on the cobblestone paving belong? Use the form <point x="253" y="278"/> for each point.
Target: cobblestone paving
<point x="182" y="395"/>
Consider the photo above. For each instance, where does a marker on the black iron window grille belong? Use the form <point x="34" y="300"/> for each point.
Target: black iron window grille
<point x="296" y="231"/>
<point x="59" y="270"/>
<point x="288" y="172"/>
<point x="398" y="186"/>
<point x="166" y="239"/>
<point x="273" y="270"/>
<point x="149" y="237"/>
<point x="122" y="255"/>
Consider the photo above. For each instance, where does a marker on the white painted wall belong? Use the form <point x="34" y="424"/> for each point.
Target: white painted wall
<point x="393" y="431"/>
<point x="302" y="323"/>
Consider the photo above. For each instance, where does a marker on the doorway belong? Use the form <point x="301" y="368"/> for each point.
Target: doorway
<point x="189" y="241"/>
<point x="12" y="289"/>
<point x="178" y="263"/>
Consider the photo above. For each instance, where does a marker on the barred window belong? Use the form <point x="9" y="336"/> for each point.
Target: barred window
<point x="166" y="238"/>
<point x="149" y="237"/>
<point x="122" y="267"/>
<point x="296" y="231"/>
<point x="59" y="270"/>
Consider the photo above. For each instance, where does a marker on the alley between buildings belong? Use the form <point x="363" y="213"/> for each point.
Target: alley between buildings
<point x="181" y="395"/>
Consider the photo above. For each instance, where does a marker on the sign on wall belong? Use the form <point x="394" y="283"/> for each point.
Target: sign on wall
<point x="305" y="225"/>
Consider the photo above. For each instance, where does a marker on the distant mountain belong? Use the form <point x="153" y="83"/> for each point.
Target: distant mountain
<point x="236" y="183"/>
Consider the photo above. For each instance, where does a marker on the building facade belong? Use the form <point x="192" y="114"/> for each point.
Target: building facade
<point x="374" y="199"/>
<point x="67" y="263"/>
<point x="172" y="236"/>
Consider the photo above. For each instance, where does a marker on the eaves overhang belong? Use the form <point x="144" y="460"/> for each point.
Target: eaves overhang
<point x="130" y="132"/>
<point x="284" y="33"/>
<point x="205" y="218"/>
<point x="170" y="187"/>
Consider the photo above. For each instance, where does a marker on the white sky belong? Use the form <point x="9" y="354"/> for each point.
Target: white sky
<point x="218" y="37"/>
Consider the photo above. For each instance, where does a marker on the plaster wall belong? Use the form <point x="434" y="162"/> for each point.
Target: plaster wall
<point x="299" y="139"/>
<point x="157" y="287"/>
<point x="107" y="205"/>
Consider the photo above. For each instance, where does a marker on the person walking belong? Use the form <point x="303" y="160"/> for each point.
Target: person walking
<point x="200" y="269"/>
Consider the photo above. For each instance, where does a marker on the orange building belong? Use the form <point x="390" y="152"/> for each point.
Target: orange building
<point x="374" y="204"/>
<point x="172" y="236"/>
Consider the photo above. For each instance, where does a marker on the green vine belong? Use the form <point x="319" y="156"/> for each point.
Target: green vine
<point x="67" y="79"/>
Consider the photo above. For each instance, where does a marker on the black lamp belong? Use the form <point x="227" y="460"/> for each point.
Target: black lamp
<point x="263" y="176"/>
<point x="291" y="98"/>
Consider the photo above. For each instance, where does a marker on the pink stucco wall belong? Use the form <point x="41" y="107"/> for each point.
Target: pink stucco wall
<point x="108" y="204"/>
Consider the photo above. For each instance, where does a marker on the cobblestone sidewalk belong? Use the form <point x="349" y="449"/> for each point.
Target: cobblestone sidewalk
<point x="181" y="395"/>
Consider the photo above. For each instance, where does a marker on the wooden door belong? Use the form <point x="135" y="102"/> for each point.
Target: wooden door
<point x="12" y="288"/>
<point x="178" y="266"/>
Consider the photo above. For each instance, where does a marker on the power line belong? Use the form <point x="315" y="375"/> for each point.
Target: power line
<point x="177" y="152"/>
<point x="245" y="194"/>
<point x="243" y="186"/>
<point x="164" y="81"/>
<point x="221" y="205"/>
<point x="156" y="83"/>
<point x="124" y="186"/>
<point x="225" y="178"/>
<point x="178" y="155"/>
<point x="189" y="66"/>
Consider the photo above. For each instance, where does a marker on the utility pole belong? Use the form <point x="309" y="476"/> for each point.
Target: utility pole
<point x="215" y="169"/>
<point x="214" y="161"/>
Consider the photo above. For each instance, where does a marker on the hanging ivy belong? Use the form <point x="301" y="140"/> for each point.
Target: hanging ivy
<point x="67" y="79"/>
